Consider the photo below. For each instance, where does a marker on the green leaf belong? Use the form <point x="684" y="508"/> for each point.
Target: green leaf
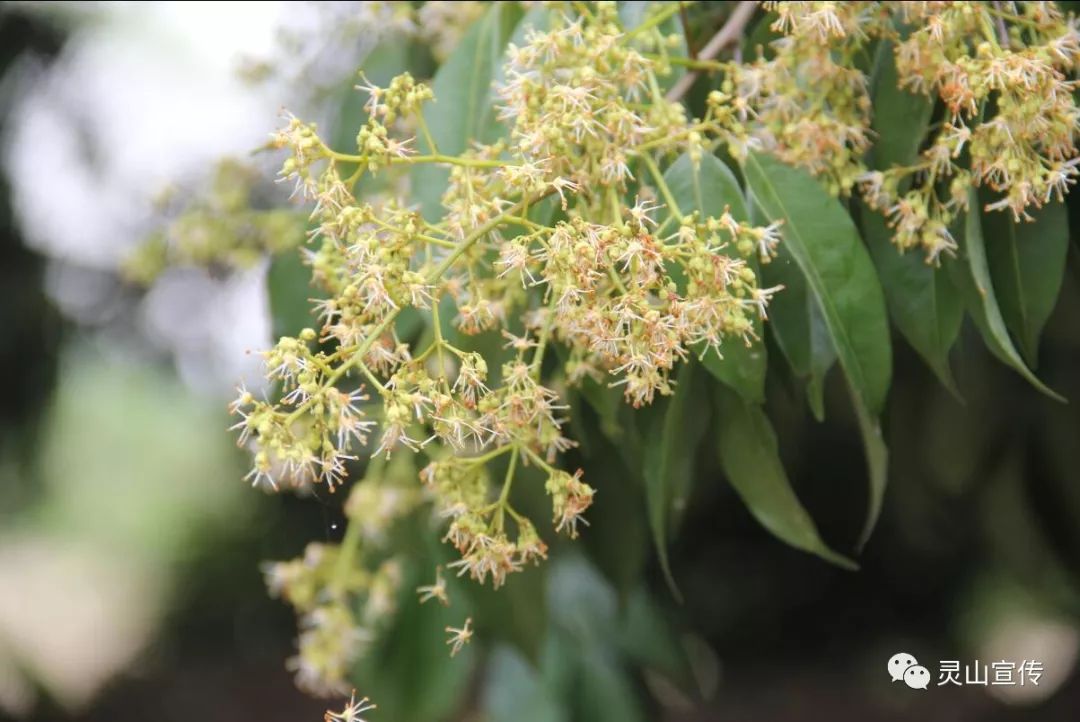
<point x="516" y="692"/>
<point x="1027" y="265"/>
<point x="670" y="444"/>
<point x="796" y="323"/>
<point x="825" y="246"/>
<point x="409" y="664"/>
<point x="289" y="287"/>
<point x="463" y="108"/>
<point x="972" y="275"/>
<point x="516" y="613"/>
<point x="605" y="691"/>
<point x="618" y="540"/>
<point x="900" y="118"/>
<point x="751" y="460"/>
<point x="710" y="189"/>
<point x="840" y="277"/>
<point x="923" y="303"/>
<point x="649" y="638"/>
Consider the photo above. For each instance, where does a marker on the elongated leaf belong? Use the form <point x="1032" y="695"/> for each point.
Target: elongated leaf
<point x="796" y="323"/>
<point x="923" y="303"/>
<point x="751" y="461"/>
<point x="972" y="275"/>
<point x="669" y="461"/>
<point x="710" y="189"/>
<point x="840" y="276"/>
<point x="462" y="111"/>
<point x="900" y="118"/>
<point x="1027" y="264"/>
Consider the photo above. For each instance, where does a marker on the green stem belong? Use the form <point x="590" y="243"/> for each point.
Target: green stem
<point x="484" y="458"/>
<point x="655" y="20"/>
<point x="431" y="158"/>
<point x="703" y="65"/>
<point x="537" y="460"/>
<point x="545" y="334"/>
<point x="662" y="185"/>
<point x="437" y="327"/>
<point x="505" y="493"/>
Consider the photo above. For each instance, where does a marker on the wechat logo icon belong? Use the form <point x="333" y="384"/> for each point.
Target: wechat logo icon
<point x="903" y="667"/>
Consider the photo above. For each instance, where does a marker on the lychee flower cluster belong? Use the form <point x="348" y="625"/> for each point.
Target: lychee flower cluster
<point x="808" y="102"/>
<point x="1000" y="72"/>
<point x="562" y="232"/>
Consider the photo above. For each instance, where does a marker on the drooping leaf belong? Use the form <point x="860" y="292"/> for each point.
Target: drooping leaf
<point x="669" y="447"/>
<point x="1027" y="264"/>
<point x="795" y="322"/>
<point x="751" y="461"/>
<point x="650" y="638"/>
<point x="619" y="536"/>
<point x="825" y="246"/>
<point x="463" y="108"/>
<point x="971" y="273"/>
<point x="839" y="275"/>
<point x="710" y="189"/>
<point x="900" y="118"/>
<point x="923" y="303"/>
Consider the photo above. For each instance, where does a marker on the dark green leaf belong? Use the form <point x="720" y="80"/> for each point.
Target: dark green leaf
<point x="825" y="245"/>
<point x="751" y="460"/>
<point x="710" y="189"/>
<point x="840" y="277"/>
<point x="795" y="322"/>
<point x="972" y="274"/>
<point x="618" y="540"/>
<point x="923" y="303"/>
<point x="669" y="460"/>
<point x="1027" y="264"/>
<point x="900" y="118"/>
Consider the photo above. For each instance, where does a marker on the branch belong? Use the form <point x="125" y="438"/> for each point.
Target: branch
<point x="731" y="31"/>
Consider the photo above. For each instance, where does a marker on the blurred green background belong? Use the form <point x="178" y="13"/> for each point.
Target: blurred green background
<point x="129" y="548"/>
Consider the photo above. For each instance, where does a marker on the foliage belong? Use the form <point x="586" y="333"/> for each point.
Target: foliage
<point x="550" y="224"/>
